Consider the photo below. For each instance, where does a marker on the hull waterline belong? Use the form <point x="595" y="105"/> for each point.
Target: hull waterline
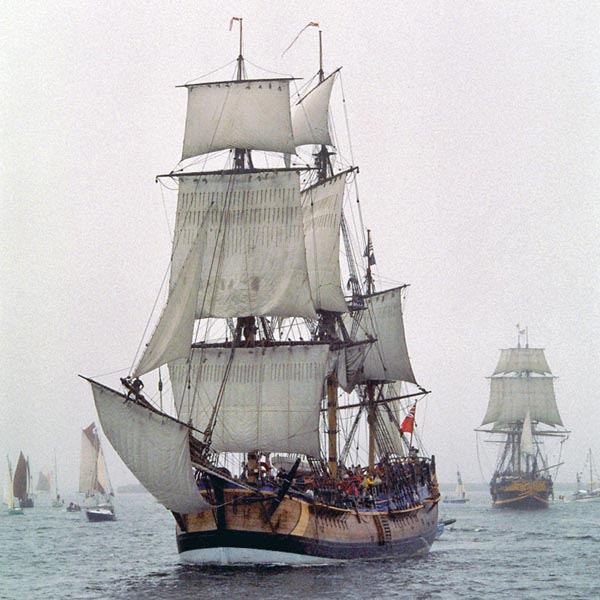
<point x="301" y="533"/>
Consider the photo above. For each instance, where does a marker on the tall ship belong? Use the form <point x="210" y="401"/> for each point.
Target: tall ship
<point x="22" y="482"/>
<point x="93" y="478"/>
<point x="292" y="439"/>
<point x="522" y="412"/>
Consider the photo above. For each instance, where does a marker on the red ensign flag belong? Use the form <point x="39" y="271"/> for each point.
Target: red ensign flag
<point x="409" y="421"/>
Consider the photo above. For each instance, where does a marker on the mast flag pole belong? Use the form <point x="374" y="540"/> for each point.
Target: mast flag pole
<point x="240" y="58"/>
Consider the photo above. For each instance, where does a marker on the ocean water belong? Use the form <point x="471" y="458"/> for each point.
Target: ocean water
<point x="51" y="554"/>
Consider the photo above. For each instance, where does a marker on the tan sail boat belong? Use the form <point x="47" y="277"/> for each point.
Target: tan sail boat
<point x="522" y="409"/>
<point x="275" y="371"/>
<point x="9" y="495"/>
<point x="93" y="478"/>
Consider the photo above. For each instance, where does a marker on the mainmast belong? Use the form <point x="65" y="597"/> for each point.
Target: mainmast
<point x="322" y="160"/>
<point x="240" y="155"/>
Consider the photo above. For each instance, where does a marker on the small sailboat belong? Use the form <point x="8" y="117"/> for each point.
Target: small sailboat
<point x="591" y="492"/>
<point x="9" y="496"/>
<point x="522" y="410"/>
<point x="57" y="501"/>
<point x="460" y="495"/>
<point x="22" y="483"/>
<point x="93" y="478"/>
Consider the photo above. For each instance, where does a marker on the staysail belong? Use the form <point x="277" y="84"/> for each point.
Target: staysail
<point x="310" y="116"/>
<point x="154" y="447"/>
<point x="269" y="398"/>
<point x="527" y="446"/>
<point x="250" y="114"/>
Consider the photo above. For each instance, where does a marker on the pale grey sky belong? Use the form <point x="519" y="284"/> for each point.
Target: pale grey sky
<point x="476" y="127"/>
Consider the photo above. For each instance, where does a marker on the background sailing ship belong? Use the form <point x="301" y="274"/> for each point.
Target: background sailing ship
<point x="522" y="410"/>
<point x="9" y="495"/>
<point x="591" y="490"/>
<point x="93" y="478"/>
<point x="267" y="355"/>
<point x="460" y="495"/>
<point x="22" y="485"/>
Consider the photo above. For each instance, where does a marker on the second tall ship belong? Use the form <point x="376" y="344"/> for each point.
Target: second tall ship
<point x="522" y="411"/>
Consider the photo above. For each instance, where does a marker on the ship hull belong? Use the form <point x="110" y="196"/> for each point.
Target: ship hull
<point x="301" y="533"/>
<point x="521" y="493"/>
<point x="99" y="514"/>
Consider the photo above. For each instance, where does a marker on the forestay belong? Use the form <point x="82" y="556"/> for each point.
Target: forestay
<point x="512" y="397"/>
<point x="269" y="398"/>
<point x="250" y="115"/>
<point x="154" y="447"/>
<point x="251" y="246"/>
<point x="310" y="116"/>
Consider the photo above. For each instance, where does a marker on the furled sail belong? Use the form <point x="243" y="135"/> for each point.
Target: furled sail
<point x="269" y="398"/>
<point x="388" y="358"/>
<point x="154" y="447"/>
<point x="322" y="209"/>
<point x="518" y="360"/>
<point x="249" y="114"/>
<point x="310" y="116"/>
<point x="21" y="478"/>
<point x="527" y="446"/>
<point x="251" y="247"/>
<point x="511" y="398"/>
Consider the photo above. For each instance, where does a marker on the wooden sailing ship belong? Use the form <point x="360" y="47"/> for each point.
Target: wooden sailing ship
<point x="522" y="410"/>
<point x="270" y="361"/>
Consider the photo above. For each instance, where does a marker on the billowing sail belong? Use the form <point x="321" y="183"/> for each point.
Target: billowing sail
<point x="88" y="468"/>
<point x="9" y="495"/>
<point x="251" y="245"/>
<point x="172" y="337"/>
<point x="21" y="478"/>
<point x="527" y="446"/>
<point x="511" y="398"/>
<point x="322" y="209"/>
<point x="519" y="360"/>
<point x="154" y="447"/>
<point x="250" y="115"/>
<point x="310" y="116"/>
<point x="388" y="358"/>
<point x="268" y="398"/>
